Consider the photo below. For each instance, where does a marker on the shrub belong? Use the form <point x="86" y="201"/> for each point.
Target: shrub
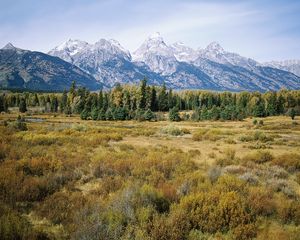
<point x="149" y="115"/>
<point x="206" y="134"/>
<point x="172" y="130"/>
<point x="61" y="207"/>
<point x="261" y="202"/>
<point x="174" y="115"/>
<point x="19" y="124"/>
<point x="209" y="212"/>
<point x="13" y="225"/>
<point x="288" y="211"/>
<point x="261" y="136"/>
<point x="249" y="178"/>
<point x="289" y="161"/>
<point x="228" y="159"/>
<point x="214" y="173"/>
<point x="259" y="157"/>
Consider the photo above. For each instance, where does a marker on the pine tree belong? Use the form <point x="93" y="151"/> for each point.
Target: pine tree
<point x="1" y="103"/>
<point x="100" y="100"/>
<point x="153" y="105"/>
<point x="84" y="115"/>
<point x="292" y="113"/>
<point x="149" y="115"/>
<point x="101" y="115"/>
<point x="163" y="99"/>
<point x="143" y="94"/>
<point x="109" y="114"/>
<point x="63" y="101"/>
<point x="94" y="113"/>
<point x="174" y="114"/>
<point x="54" y="104"/>
<point x="22" y="105"/>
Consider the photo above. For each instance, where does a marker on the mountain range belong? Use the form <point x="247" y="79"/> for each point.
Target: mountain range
<point x="23" y="69"/>
<point x="106" y="63"/>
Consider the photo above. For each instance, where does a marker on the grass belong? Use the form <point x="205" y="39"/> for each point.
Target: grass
<point x="60" y="170"/>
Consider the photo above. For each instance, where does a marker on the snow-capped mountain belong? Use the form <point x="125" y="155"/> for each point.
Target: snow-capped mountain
<point x="24" y="69"/>
<point x="157" y="55"/>
<point x="292" y="66"/>
<point x="214" y="52"/>
<point x="183" y="53"/>
<point x="106" y="60"/>
<point x="179" y="66"/>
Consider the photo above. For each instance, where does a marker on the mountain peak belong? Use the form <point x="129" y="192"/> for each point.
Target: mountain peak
<point x="9" y="46"/>
<point x="71" y="44"/>
<point x="214" y="46"/>
<point x="155" y="36"/>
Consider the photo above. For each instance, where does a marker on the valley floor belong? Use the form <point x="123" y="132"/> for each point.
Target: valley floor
<point x="68" y="178"/>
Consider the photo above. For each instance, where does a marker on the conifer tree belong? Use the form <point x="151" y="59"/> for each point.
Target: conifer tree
<point x="22" y="105"/>
<point x="174" y="114"/>
<point x="143" y="94"/>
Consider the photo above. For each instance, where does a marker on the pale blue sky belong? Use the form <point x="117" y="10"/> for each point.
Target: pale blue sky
<point x="264" y="30"/>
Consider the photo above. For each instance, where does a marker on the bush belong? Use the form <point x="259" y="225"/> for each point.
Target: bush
<point x="149" y="115"/>
<point x="259" y="157"/>
<point x="172" y="130"/>
<point x="289" y="161"/>
<point x="214" y="173"/>
<point x="261" y="202"/>
<point x="174" y="115"/>
<point x="228" y="159"/>
<point x="207" y="134"/>
<point x="19" y="124"/>
<point x="61" y="207"/>
<point x="14" y="226"/>
<point x="209" y="212"/>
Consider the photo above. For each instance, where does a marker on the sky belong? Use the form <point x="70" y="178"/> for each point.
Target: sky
<point x="261" y="29"/>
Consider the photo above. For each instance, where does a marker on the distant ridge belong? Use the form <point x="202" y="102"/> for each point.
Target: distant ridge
<point x="23" y="69"/>
<point x="178" y="65"/>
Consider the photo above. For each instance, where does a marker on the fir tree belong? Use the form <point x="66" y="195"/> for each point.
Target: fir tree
<point x="22" y="105"/>
<point x="143" y="94"/>
<point x="174" y="114"/>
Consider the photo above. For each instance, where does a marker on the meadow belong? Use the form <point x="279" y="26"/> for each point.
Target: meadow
<point x="66" y="178"/>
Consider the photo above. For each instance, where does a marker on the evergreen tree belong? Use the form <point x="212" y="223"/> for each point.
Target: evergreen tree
<point x="94" y="113"/>
<point x="100" y="100"/>
<point x="1" y="103"/>
<point x="149" y="115"/>
<point x="153" y="105"/>
<point x="109" y="114"/>
<point x="22" y="105"/>
<point x="35" y="101"/>
<point x="63" y="101"/>
<point x="54" y="104"/>
<point x="143" y="94"/>
<point x="119" y="113"/>
<point x="68" y="109"/>
<point x="163" y="99"/>
<point x="259" y="110"/>
<point x="72" y="91"/>
<point x="84" y="115"/>
<point x="292" y="113"/>
<point x="101" y="115"/>
<point x="174" y="114"/>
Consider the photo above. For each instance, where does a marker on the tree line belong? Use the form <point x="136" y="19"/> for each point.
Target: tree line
<point x="145" y="102"/>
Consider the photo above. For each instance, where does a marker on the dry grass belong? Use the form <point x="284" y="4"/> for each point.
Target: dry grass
<point x="107" y="161"/>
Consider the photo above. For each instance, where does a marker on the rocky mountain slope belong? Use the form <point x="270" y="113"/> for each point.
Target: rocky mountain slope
<point x="179" y="66"/>
<point x="23" y="69"/>
<point x="292" y="66"/>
